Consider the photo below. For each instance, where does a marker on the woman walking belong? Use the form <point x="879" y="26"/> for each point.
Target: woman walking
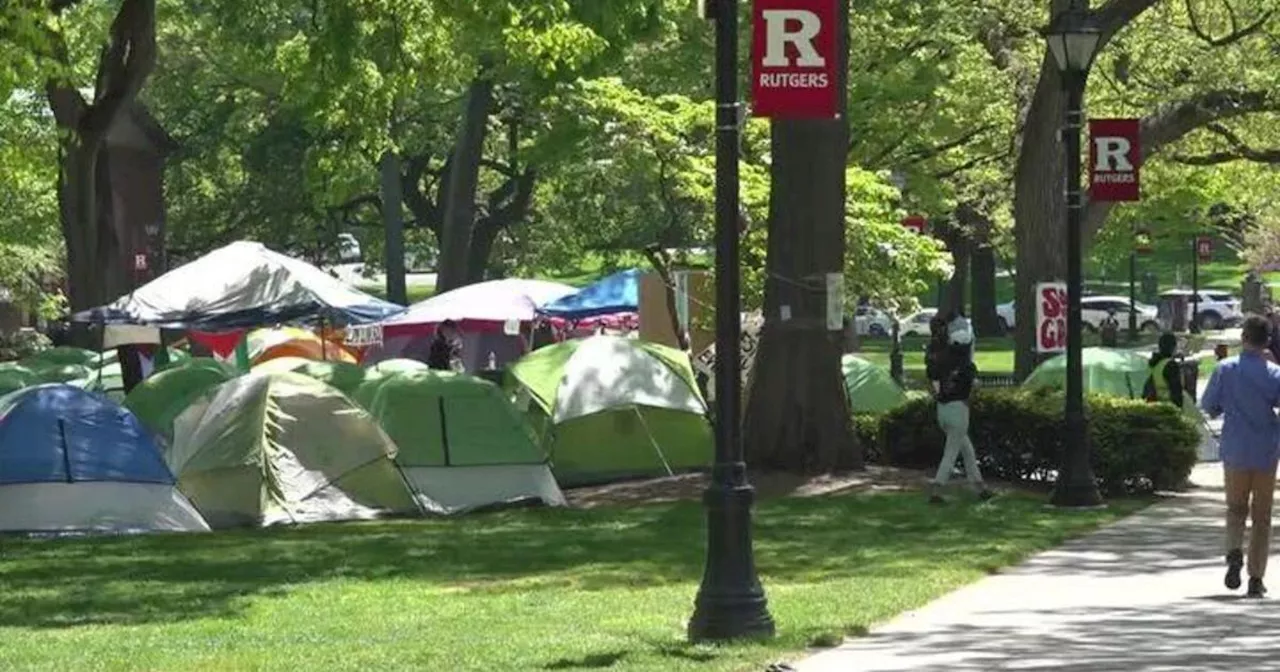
<point x="952" y="374"/>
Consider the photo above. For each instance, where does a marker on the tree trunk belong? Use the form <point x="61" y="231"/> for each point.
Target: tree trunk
<point x="957" y="240"/>
<point x="982" y="269"/>
<point x="483" y="236"/>
<point x="78" y="203"/>
<point x="1039" y="210"/>
<point x="463" y="181"/>
<point x="393" y="223"/>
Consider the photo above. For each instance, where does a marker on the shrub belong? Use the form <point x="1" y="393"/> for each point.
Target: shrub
<point x="1019" y="436"/>
<point x="22" y="344"/>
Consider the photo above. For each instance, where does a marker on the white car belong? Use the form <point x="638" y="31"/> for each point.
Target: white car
<point x="1218" y="309"/>
<point x="1093" y="309"/>
<point x="868" y="321"/>
<point x="1008" y="316"/>
<point x="917" y="324"/>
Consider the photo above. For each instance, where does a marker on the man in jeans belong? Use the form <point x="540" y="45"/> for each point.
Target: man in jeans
<point x="1246" y="390"/>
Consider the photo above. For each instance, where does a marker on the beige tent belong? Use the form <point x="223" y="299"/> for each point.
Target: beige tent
<point x="269" y="448"/>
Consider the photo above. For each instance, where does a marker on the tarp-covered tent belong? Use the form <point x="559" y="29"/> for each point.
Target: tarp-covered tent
<point x="342" y="376"/>
<point x="869" y="387"/>
<point x="609" y="407"/>
<point x="270" y="448"/>
<point x="1119" y="373"/>
<point x="462" y="444"/>
<point x="160" y="399"/>
<point x="71" y="460"/>
<point x="617" y="293"/>
<point x="242" y="285"/>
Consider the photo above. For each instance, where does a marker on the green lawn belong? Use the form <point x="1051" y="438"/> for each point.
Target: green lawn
<point x="520" y="590"/>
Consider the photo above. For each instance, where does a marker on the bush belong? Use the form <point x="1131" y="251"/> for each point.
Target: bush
<point x="22" y="344"/>
<point x="1019" y="435"/>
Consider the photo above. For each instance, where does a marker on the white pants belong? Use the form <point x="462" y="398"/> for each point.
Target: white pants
<point x="953" y="418"/>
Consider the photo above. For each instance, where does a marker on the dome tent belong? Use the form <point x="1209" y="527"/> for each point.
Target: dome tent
<point x="462" y="445"/>
<point x="73" y="460"/>
<point x="160" y="399"/>
<point x="609" y="408"/>
<point x="269" y="448"/>
<point x="870" y="388"/>
<point x="343" y="376"/>
<point x="1118" y="373"/>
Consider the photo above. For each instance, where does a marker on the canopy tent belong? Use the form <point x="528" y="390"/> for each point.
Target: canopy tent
<point x="613" y="294"/>
<point x="1119" y="373"/>
<point x="71" y="460"/>
<point x="609" y="408"/>
<point x="267" y="344"/>
<point x="271" y="448"/>
<point x="342" y="376"/>
<point x="869" y="387"/>
<point x="462" y="444"/>
<point x="242" y="285"/>
<point x="160" y="399"/>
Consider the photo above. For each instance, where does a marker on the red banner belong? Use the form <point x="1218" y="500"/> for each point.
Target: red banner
<point x="794" y="59"/>
<point x="1115" y="160"/>
<point x="1204" y="248"/>
<point x="916" y="223"/>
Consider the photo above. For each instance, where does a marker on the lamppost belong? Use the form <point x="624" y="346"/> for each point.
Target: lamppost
<point x="730" y="603"/>
<point x="1073" y="38"/>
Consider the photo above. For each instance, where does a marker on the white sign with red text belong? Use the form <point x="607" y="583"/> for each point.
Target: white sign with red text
<point x="1051" y="317"/>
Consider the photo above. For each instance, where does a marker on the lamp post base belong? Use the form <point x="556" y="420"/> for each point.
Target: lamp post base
<point x="731" y="603"/>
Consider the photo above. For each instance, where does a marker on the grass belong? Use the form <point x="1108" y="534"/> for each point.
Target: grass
<point x="517" y="590"/>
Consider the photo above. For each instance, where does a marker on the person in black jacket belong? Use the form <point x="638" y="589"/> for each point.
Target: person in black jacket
<point x="952" y="375"/>
<point x="446" y="350"/>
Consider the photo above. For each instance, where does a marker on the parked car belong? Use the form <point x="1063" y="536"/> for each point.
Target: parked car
<point x="1007" y="313"/>
<point x="1094" y="309"/>
<point x="1218" y="308"/>
<point x="868" y="321"/>
<point x="917" y="324"/>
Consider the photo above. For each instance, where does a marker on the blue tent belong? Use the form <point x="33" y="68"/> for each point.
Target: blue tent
<point x="63" y="434"/>
<point x="617" y="293"/>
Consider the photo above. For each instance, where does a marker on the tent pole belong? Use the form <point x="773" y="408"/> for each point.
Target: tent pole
<point x="653" y="441"/>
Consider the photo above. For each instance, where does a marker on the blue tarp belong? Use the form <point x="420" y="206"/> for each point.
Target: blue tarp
<point x="239" y="286"/>
<point x="63" y="434"/>
<point x="617" y="293"/>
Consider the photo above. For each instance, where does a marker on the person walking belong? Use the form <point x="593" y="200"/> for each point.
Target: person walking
<point x="1245" y="391"/>
<point x="952" y="374"/>
<point x="1165" y="381"/>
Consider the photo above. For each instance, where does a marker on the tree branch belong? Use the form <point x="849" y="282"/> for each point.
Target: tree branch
<point x="1237" y="33"/>
<point x="1240" y="151"/>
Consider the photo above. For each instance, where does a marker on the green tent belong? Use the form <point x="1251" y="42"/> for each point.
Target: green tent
<point x="14" y="377"/>
<point x="343" y="376"/>
<point x="609" y="407"/>
<point x="869" y="387"/>
<point x="1119" y="373"/>
<point x="396" y="366"/>
<point x="268" y="448"/>
<point x="462" y="444"/>
<point x="71" y="374"/>
<point x="63" y="355"/>
<point x="160" y="399"/>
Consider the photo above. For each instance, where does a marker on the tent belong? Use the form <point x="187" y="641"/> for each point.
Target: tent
<point x="14" y="376"/>
<point x="269" y="448"/>
<point x="609" y="407"/>
<point x="71" y="460"/>
<point x="390" y="366"/>
<point x="462" y="444"/>
<point x="342" y="376"/>
<point x="617" y="293"/>
<point x="869" y="387"/>
<point x="1119" y="373"/>
<point x="160" y="399"/>
<point x="242" y="285"/>
<point x="267" y="344"/>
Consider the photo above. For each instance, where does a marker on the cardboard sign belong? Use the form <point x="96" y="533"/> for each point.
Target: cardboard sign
<point x="794" y="59"/>
<point x="1204" y="248"/>
<point x="363" y="335"/>
<point x="1115" y="160"/>
<point x="1051" y="317"/>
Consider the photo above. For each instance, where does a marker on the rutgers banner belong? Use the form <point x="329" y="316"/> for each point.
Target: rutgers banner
<point x="1115" y="160"/>
<point x="794" y="59"/>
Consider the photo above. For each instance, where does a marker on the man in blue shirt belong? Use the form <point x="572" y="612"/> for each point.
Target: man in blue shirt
<point x="1246" y="390"/>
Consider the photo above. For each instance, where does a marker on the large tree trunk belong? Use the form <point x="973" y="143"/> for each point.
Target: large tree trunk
<point x="956" y="238"/>
<point x="463" y="182"/>
<point x="982" y="268"/>
<point x="393" y="223"/>
<point x="797" y="416"/>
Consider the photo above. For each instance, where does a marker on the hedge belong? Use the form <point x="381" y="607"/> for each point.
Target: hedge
<point x="1019" y="435"/>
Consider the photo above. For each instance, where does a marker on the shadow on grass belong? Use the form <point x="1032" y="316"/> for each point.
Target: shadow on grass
<point x="129" y="580"/>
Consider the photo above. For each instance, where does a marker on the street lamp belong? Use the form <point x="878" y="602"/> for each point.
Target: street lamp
<point x="730" y="603"/>
<point x="1073" y="38"/>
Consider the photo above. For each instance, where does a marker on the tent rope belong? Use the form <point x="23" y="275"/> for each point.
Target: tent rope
<point x="654" y="442"/>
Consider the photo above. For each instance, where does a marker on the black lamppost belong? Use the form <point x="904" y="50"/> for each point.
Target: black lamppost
<point x="1073" y="38"/>
<point x="730" y="603"/>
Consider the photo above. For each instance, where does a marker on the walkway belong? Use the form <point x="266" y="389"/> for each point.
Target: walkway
<point x="1143" y="595"/>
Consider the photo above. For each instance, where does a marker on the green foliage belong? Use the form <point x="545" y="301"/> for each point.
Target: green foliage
<point x="1135" y="446"/>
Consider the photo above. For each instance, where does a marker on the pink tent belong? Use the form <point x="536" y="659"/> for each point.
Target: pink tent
<point x="485" y="306"/>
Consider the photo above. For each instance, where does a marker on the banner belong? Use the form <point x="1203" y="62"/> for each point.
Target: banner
<point x="748" y="343"/>
<point x="794" y="59"/>
<point x="363" y="335"/>
<point x="1115" y="160"/>
<point x="1051" y="317"/>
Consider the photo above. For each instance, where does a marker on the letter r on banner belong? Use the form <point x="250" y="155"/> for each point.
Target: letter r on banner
<point x="778" y="34"/>
<point x="1112" y="154"/>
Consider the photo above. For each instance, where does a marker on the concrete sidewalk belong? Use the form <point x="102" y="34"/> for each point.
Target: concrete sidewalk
<point x="1142" y="595"/>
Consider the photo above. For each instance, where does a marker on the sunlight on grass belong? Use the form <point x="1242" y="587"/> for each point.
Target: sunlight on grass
<point x="520" y="590"/>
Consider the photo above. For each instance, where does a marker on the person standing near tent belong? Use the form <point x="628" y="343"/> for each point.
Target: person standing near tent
<point x="952" y="374"/>
<point x="445" y="353"/>
<point x="1165" y="382"/>
<point x="1245" y="390"/>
